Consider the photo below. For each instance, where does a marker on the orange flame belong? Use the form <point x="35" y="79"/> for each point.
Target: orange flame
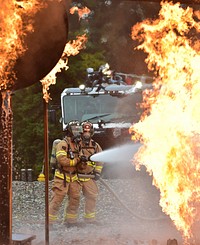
<point x="71" y="48"/>
<point x="12" y="31"/>
<point x="170" y="129"/>
<point x="81" y="12"/>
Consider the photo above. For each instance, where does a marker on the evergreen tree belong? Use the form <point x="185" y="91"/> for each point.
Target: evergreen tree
<point x="28" y="127"/>
<point x="108" y="29"/>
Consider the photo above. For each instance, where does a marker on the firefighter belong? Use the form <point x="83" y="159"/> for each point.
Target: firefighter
<point x="88" y="147"/>
<point x="65" y="177"/>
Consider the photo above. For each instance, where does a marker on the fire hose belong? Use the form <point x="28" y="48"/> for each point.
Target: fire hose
<point x="120" y="201"/>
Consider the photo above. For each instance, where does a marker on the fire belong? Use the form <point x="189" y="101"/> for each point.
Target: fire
<point x="81" y="12"/>
<point x="71" y="48"/>
<point x="12" y="31"/>
<point x="170" y="127"/>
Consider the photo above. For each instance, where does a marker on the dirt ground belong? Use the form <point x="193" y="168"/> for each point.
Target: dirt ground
<point x="141" y="222"/>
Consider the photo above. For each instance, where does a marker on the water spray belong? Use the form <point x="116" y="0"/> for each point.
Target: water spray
<point x="120" y="153"/>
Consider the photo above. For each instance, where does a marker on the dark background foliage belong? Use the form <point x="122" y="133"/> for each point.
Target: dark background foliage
<point x="108" y="28"/>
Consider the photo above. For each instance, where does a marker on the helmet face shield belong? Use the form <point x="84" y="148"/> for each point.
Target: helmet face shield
<point x="88" y="127"/>
<point x="73" y="128"/>
<point x="76" y="130"/>
<point x="87" y="130"/>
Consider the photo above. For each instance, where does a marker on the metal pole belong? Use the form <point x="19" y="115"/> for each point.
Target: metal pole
<point x="5" y="168"/>
<point x="46" y="171"/>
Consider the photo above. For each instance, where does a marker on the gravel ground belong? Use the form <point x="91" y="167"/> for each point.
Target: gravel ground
<point x="141" y="223"/>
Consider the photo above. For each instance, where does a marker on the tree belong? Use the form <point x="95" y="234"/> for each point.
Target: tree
<point x="108" y="28"/>
<point x="28" y="129"/>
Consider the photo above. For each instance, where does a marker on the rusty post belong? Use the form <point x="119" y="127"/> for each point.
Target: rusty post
<point x="5" y="169"/>
<point x="46" y="171"/>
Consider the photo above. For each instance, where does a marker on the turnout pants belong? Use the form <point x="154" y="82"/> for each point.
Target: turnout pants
<point x="90" y="192"/>
<point x="72" y="190"/>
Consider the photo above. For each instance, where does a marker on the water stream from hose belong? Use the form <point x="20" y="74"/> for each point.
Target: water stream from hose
<point x="120" y="153"/>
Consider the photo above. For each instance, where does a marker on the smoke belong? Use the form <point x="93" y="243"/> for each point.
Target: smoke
<point x="44" y="45"/>
<point x="120" y="153"/>
<point x="116" y="34"/>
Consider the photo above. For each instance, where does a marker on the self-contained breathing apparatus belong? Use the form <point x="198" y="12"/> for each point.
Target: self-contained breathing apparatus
<point x="77" y="132"/>
<point x="88" y="144"/>
<point x="73" y="131"/>
<point x="53" y="161"/>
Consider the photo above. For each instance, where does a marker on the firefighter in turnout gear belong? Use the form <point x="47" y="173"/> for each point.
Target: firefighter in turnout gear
<point x="90" y="190"/>
<point x="65" y="178"/>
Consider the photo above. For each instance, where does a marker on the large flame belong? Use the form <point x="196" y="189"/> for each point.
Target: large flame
<point x="12" y="32"/>
<point x="72" y="48"/>
<point x="170" y="128"/>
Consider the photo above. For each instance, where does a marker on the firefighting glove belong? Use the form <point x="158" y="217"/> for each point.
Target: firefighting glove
<point x="97" y="176"/>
